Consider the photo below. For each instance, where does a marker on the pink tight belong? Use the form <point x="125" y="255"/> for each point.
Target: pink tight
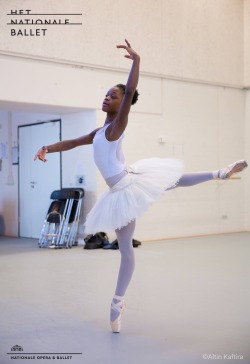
<point x="125" y="237"/>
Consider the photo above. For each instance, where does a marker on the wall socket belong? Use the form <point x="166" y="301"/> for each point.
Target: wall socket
<point x="80" y="180"/>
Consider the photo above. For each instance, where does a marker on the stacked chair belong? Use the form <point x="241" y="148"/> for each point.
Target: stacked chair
<point x="60" y="227"/>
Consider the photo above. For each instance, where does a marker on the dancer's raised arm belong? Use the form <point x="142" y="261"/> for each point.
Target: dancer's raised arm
<point x="120" y="122"/>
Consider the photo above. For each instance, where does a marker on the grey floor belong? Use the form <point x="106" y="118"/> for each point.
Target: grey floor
<point x="188" y="303"/>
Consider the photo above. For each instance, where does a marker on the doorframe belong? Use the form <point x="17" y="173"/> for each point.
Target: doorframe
<point x="60" y="156"/>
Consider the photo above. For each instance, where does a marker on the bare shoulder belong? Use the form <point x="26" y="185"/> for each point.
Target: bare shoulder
<point x="93" y="132"/>
<point x="86" y="139"/>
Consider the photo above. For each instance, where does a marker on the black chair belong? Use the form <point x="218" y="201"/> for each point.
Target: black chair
<point x="62" y="219"/>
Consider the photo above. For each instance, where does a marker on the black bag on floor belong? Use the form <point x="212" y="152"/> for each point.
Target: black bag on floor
<point x="97" y="241"/>
<point x="114" y="245"/>
<point x="136" y="243"/>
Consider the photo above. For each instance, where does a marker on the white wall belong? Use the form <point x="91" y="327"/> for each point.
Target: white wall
<point x="247" y="110"/>
<point x="195" y="39"/>
<point x="247" y="42"/>
<point x="247" y="153"/>
<point x="65" y="87"/>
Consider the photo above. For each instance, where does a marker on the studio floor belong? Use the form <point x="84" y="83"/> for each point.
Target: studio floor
<point x="188" y="303"/>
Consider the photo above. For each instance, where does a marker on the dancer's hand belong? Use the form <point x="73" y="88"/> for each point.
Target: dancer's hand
<point x="41" y="154"/>
<point x="131" y="53"/>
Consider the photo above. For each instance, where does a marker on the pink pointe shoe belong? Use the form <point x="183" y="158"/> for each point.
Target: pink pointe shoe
<point x="235" y="167"/>
<point x="119" y="307"/>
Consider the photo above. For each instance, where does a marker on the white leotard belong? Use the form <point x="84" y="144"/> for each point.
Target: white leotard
<point x="109" y="156"/>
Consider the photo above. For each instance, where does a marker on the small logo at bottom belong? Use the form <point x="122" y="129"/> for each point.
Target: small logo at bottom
<point x="17" y="348"/>
<point x="17" y="352"/>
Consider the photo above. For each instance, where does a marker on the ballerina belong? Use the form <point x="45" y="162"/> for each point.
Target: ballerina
<point x="131" y="189"/>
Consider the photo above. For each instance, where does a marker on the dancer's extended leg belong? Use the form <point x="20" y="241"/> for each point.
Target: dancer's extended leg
<point x="125" y="241"/>
<point x="192" y="179"/>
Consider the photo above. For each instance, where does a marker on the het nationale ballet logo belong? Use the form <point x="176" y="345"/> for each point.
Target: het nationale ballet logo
<point x="26" y="23"/>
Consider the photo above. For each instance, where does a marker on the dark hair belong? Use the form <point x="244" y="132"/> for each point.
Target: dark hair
<point x="123" y="87"/>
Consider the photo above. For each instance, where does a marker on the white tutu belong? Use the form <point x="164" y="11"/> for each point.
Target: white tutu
<point x="146" y="181"/>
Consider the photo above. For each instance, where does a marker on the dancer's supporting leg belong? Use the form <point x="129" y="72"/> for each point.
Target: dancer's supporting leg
<point x="127" y="265"/>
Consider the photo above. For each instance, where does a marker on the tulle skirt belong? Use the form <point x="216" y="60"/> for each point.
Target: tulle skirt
<point x="128" y="199"/>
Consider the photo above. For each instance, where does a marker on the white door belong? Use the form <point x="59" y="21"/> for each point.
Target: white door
<point x="37" y="179"/>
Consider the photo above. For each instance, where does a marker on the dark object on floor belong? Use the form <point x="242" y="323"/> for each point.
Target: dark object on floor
<point x="114" y="245"/>
<point x="97" y="241"/>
